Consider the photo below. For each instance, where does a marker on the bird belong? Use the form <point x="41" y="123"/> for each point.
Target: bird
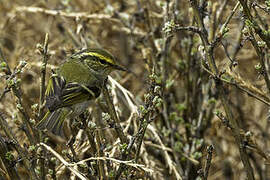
<point x="73" y="85"/>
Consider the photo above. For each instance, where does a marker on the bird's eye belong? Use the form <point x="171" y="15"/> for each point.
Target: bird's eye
<point x="102" y="61"/>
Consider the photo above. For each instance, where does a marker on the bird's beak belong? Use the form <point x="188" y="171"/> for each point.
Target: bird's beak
<point x="117" y="67"/>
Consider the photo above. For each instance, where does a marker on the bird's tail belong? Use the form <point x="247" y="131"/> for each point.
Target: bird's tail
<point x="53" y="121"/>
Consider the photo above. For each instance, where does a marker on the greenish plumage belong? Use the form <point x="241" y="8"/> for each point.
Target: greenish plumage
<point x="77" y="81"/>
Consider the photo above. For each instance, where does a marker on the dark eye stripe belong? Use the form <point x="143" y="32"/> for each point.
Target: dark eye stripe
<point x="103" y="61"/>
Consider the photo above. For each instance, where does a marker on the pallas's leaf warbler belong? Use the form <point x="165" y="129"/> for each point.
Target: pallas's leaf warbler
<point x="77" y="81"/>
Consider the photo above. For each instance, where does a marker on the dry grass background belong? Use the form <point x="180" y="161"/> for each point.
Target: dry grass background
<point x="181" y="128"/>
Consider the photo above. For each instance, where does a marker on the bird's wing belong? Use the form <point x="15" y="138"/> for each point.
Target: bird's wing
<point x="61" y="94"/>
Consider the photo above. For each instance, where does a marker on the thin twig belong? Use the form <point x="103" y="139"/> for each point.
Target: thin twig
<point x="6" y="90"/>
<point x="265" y="9"/>
<point x="12" y="77"/>
<point x="224" y="26"/>
<point x="25" y="157"/>
<point x="224" y="29"/>
<point x="100" y="154"/>
<point x="256" y="27"/>
<point x="11" y="170"/>
<point x="261" y="56"/>
<point x="58" y="156"/>
<point x="125" y="155"/>
<point x="209" y="56"/>
<point x="66" y="14"/>
<point x="239" y="87"/>
<point x="188" y="28"/>
<point x="45" y="58"/>
<point x="128" y="163"/>
<point x="194" y="161"/>
<point x="208" y="161"/>
<point x="90" y="136"/>
<point x="118" y="128"/>
<point x="169" y="162"/>
<point x="8" y="72"/>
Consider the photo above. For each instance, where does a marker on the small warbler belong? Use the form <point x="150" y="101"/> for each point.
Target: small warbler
<point x="77" y="81"/>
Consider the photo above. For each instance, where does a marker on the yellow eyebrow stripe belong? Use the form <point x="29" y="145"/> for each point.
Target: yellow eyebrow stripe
<point x="107" y="59"/>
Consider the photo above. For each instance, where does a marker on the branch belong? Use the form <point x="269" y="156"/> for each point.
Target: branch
<point x="69" y="15"/>
<point x="258" y="30"/>
<point x="44" y="52"/>
<point x="58" y="156"/>
<point x="209" y="56"/>
<point x="208" y="161"/>
<point x="118" y="128"/>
